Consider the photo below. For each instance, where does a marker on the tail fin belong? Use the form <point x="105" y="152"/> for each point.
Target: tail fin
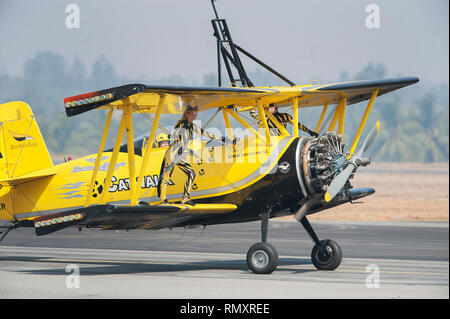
<point x="22" y="150"/>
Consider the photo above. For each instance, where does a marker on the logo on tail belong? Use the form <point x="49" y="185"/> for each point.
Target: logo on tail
<point x="20" y="137"/>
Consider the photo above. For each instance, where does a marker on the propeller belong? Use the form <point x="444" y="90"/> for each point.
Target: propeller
<point x="353" y="163"/>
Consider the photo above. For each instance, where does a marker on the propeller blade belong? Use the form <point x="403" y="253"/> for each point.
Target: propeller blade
<point x="338" y="182"/>
<point x="369" y="139"/>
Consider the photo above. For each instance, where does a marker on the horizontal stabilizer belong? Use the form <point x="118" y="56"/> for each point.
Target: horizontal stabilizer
<point x="26" y="178"/>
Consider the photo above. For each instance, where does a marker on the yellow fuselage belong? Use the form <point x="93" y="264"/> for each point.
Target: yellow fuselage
<point x="219" y="170"/>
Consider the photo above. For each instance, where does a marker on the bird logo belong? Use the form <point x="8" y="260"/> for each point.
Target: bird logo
<point x="20" y="137"/>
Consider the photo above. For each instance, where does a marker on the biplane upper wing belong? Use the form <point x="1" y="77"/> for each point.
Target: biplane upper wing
<point x="354" y="92"/>
<point x="145" y="98"/>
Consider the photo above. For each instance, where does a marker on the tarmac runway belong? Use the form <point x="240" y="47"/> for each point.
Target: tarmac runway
<point x="381" y="260"/>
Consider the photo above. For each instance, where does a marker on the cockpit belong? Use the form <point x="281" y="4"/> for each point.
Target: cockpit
<point x="140" y="143"/>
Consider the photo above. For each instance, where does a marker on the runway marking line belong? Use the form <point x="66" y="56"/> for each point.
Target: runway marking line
<point x="353" y="270"/>
<point x="109" y="261"/>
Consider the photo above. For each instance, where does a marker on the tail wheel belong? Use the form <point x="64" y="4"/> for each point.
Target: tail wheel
<point x="262" y="258"/>
<point x="327" y="255"/>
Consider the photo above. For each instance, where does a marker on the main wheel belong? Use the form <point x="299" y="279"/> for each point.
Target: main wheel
<point x="262" y="258"/>
<point x="327" y="255"/>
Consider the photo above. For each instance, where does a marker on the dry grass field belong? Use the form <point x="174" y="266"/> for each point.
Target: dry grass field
<point x="403" y="192"/>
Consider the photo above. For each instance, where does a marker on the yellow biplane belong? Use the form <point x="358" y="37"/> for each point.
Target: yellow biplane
<point x="262" y="175"/>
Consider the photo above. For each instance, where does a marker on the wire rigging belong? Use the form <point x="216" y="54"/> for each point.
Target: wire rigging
<point x="327" y="120"/>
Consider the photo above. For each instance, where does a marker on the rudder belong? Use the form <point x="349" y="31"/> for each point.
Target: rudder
<point x="22" y="151"/>
<point x="22" y="148"/>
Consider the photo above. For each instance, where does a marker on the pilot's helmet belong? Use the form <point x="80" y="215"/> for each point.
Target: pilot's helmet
<point x="162" y="140"/>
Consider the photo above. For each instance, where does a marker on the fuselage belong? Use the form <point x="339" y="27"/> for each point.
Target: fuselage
<point x="250" y="174"/>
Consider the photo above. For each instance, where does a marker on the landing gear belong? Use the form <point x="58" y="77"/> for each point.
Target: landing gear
<point x="262" y="258"/>
<point x="326" y="254"/>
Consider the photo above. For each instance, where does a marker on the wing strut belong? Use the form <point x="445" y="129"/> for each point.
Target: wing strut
<point x="339" y="115"/>
<point x="128" y="114"/>
<point x="151" y="138"/>
<point x="322" y="115"/>
<point x="126" y="125"/>
<point x="99" y="156"/>
<point x="242" y="122"/>
<point x="113" y="159"/>
<point x="263" y="118"/>
<point x="295" y="119"/>
<point x="363" y="122"/>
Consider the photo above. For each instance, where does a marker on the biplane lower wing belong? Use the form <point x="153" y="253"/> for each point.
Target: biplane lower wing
<point x="143" y="216"/>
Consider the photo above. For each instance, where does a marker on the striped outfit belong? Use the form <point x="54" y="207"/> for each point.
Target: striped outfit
<point x="178" y="154"/>
<point x="283" y="119"/>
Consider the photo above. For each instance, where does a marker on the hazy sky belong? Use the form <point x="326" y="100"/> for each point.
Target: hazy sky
<point x="302" y="39"/>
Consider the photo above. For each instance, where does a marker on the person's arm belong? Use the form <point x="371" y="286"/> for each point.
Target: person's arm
<point x="303" y="127"/>
<point x="307" y="130"/>
<point x="202" y="132"/>
<point x="254" y="114"/>
<point x="176" y="132"/>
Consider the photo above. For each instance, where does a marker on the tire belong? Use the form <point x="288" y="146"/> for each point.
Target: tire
<point x="262" y="258"/>
<point x="327" y="255"/>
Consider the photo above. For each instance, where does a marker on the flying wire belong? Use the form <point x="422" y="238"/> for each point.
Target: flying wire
<point x="52" y="142"/>
<point x="329" y="116"/>
<point x="21" y="149"/>
<point x="145" y="114"/>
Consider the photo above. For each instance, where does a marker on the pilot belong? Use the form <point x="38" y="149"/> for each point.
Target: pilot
<point x="162" y="140"/>
<point x="179" y="152"/>
<point x="283" y="119"/>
